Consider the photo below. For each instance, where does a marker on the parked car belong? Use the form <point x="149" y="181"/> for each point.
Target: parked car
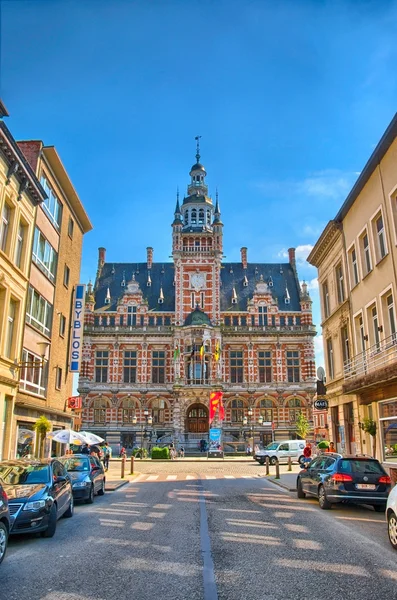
<point x="281" y="451"/>
<point x="333" y="478"/>
<point x="39" y="493"/>
<point x="391" y="516"/>
<point x="4" y="522"/>
<point x="87" y="475"/>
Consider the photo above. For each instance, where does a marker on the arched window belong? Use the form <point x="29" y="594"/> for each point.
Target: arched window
<point x="198" y="370"/>
<point x="295" y="406"/>
<point x="267" y="410"/>
<point x="187" y="217"/>
<point x="208" y="217"/>
<point x="201" y="216"/>
<point x="158" y="409"/>
<point x="237" y="411"/>
<point x="100" y="406"/>
<point x="193" y="219"/>
<point x="128" y="408"/>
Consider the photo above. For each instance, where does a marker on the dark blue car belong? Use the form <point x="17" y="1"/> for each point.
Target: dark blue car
<point x="4" y="522"/>
<point x="333" y="478"/>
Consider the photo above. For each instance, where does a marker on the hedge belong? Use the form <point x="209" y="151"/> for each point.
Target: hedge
<point x="160" y="453"/>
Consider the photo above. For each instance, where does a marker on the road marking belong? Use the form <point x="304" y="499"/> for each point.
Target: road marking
<point x="142" y="526"/>
<point x="229" y="477"/>
<point x="210" y="477"/>
<point x="171" y="477"/>
<point x="190" y="477"/>
<point x="152" y="478"/>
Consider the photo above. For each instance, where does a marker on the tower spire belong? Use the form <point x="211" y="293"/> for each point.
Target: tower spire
<point x="197" y="138"/>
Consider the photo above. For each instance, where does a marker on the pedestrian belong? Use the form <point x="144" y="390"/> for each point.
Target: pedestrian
<point x="107" y="454"/>
<point x="182" y="452"/>
<point x="248" y="450"/>
<point x="85" y="449"/>
<point x="307" y="453"/>
<point x="331" y="447"/>
<point x="123" y="452"/>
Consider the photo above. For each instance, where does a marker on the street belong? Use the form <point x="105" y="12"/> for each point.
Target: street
<point x="152" y="537"/>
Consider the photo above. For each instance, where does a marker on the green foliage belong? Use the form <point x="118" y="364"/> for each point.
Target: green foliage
<point x="139" y="452"/>
<point x="302" y="426"/>
<point x="160" y="453"/>
<point x="395" y="447"/>
<point x="323" y="444"/>
<point x="369" y="426"/>
<point x="42" y="425"/>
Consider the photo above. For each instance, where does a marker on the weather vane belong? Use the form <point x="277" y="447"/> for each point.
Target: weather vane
<point x="197" y="138"/>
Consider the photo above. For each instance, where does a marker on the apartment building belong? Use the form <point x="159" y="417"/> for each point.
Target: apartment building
<point x="61" y="221"/>
<point x="20" y="194"/>
<point x="356" y="257"/>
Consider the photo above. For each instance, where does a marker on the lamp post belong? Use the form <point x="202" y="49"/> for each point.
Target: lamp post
<point x="148" y="421"/>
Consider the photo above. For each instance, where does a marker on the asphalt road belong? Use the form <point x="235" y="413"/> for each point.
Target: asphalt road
<point x="190" y="537"/>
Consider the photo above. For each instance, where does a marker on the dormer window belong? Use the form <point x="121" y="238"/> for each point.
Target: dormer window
<point x="160" y="300"/>
<point x="287" y="301"/>
<point x="201" y="217"/>
<point x="270" y="282"/>
<point x="194" y="217"/>
<point x="149" y="281"/>
<point x="245" y="281"/>
<point x="107" y="299"/>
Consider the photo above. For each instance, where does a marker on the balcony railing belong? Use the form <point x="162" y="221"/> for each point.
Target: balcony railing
<point x="378" y="356"/>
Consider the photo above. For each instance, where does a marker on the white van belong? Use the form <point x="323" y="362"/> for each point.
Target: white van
<point x="281" y="451"/>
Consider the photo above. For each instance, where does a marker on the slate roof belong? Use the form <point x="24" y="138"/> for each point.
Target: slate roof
<point x="232" y="275"/>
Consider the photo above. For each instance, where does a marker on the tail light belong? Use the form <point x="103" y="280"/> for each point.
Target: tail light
<point x="5" y="497"/>
<point x="384" y="479"/>
<point x="341" y="478"/>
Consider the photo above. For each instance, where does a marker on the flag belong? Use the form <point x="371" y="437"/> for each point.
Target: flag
<point x="177" y="352"/>
<point x="74" y="402"/>
<point x="202" y="350"/>
<point x="217" y="353"/>
<point x="216" y="404"/>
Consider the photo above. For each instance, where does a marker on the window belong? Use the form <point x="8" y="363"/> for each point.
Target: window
<point x="390" y="315"/>
<point x="265" y="366"/>
<point x="44" y="255"/>
<point x="266" y="410"/>
<point x="19" y="244"/>
<point x="51" y="205"/>
<point x="293" y="366"/>
<point x="360" y="335"/>
<point x="193" y="298"/>
<point x="158" y="414"/>
<point x="340" y="284"/>
<point x="193" y="218"/>
<point x="58" y="378"/>
<point x="33" y="373"/>
<point x="202" y="299"/>
<point x="62" y="326"/>
<point x="354" y="266"/>
<point x="100" y="406"/>
<point x="101" y="366"/>
<point x="5" y="226"/>
<point x="326" y="307"/>
<point x="66" y="276"/>
<point x="375" y="340"/>
<point x="131" y="316"/>
<point x="128" y="408"/>
<point x="70" y="227"/>
<point x="9" y="345"/>
<point x="158" y="366"/>
<point x="236" y="366"/>
<point x="38" y="312"/>
<point x="330" y="359"/>
<point x="380" y="237"/>
<point x="344" y="335"/>
<point x="366" y="254"/>
<point x="262" y="315"/>
<point x="237" y="411"/>
<point x="201" y="217"/>
<point x="295" y="406"/>
<point x="129" y="366"/>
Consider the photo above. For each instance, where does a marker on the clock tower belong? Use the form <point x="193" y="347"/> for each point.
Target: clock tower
<point x="197" y="248"/>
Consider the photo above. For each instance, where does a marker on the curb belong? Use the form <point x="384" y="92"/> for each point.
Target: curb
<point x="282" y="485"/>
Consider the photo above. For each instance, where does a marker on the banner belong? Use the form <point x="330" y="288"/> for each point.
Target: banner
<point x="215" y="439"/>
<point x="76" y="342"/>
<point x="75" y="402"/>
<point x="216" y="404"/>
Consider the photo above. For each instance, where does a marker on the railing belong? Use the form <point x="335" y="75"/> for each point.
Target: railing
<point x="198" y="249"/>
<point x="376" y="357"/>
<point x="269" y="328"/>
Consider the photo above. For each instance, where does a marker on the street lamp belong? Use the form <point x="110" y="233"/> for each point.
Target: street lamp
<point x="148" y="421"/>
<point x="247" y="420"/>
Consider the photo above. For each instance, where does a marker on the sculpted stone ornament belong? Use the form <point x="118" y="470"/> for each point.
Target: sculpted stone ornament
<point x="197" y="281"/>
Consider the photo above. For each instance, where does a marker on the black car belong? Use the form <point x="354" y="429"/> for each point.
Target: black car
<point x="333" y="478"/>
<point x="4" y="522"/>
<point x="87" y="475"/>
<point x="39" y="493"/>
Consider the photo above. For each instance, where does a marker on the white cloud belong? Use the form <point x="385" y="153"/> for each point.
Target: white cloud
<point x="302" y="252"/>
<point x="319" y="350"/>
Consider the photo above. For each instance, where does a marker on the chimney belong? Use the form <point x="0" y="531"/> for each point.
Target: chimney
<point x="149" y="251"/>
<point x="291" y="257"/>
<point x="244" y="257"/>
<point x="101" y="258"/>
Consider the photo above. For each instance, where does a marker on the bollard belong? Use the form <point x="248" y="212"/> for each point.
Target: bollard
<point x="289" y="463"/>
<point x="132" y="465"/>
<point x="267" y="465"/>
<point x="122" y="467"/>
<point x="277" y="470"/>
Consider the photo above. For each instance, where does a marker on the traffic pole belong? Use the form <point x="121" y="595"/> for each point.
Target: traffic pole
<point x="132" y="465"/>
<point x="289" y="463"/>
<point x="122" y="467"/>
<point x="267" y="465"/>
<point x="277" y="469"/>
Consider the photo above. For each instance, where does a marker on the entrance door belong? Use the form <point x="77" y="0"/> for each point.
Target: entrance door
<point x="197" y="419"/>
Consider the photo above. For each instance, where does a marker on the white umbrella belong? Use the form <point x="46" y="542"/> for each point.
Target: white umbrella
<point x="91" y="438"/>
<point x="68" y="436"/>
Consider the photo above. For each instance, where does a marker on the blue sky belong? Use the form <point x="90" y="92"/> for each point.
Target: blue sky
<point x="290" y="98"/>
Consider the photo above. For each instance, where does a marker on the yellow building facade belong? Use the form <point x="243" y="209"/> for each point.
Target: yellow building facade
<point x="356" y="258"/>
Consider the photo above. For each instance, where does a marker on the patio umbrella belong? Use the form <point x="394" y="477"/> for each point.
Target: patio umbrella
<point x="91" y="438"/>
<point x="68" y="436"/>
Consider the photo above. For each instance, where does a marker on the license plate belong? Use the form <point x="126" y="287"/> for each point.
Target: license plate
<point x="365" y="486"/>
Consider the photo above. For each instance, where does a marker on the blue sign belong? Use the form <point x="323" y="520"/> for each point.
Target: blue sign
<point x="215" y="437"/>
<point x="76" y="341"/>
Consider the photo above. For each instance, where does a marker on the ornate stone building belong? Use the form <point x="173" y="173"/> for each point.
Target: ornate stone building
<point x="161" y="336"/>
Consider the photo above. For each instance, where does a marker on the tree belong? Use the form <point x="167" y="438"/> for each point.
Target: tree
<point x="369" y="426"/>
<point x="42" y="427"/>
<point x="302" y="426"/>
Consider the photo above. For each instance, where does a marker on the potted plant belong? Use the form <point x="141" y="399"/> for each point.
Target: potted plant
<point x="42" y="427"/>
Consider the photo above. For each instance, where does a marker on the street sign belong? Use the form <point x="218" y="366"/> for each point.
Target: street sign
<point x="321" y="404"/>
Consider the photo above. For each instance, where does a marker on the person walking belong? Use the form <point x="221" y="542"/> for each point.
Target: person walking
<point x="85" y="449"/>
<point x="307" y="453"/>
<point x="107" y="455"/>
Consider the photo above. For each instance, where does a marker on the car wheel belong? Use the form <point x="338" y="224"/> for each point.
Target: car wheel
<point x="273" y="460"/>
<point x="102" y="490"/>
<point x="301" y="493"/>
<point x="392" y="529"/>
<point x="322" y="499"/>
<point x="3" y="540"/>
<point x="70" y="511"/>
<point x="301" y="461"/>
<point x="52" y="523"/>
<point x="90" y="498"/>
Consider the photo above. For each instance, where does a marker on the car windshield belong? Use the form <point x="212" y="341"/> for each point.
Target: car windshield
<point x="76" y="464"/>
<point x="21" y="475"/>
<point x="272" y="446"/>
<point x="347" y="465"/>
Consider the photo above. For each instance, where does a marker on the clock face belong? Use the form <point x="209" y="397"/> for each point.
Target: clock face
<point x="197" y="281"/>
